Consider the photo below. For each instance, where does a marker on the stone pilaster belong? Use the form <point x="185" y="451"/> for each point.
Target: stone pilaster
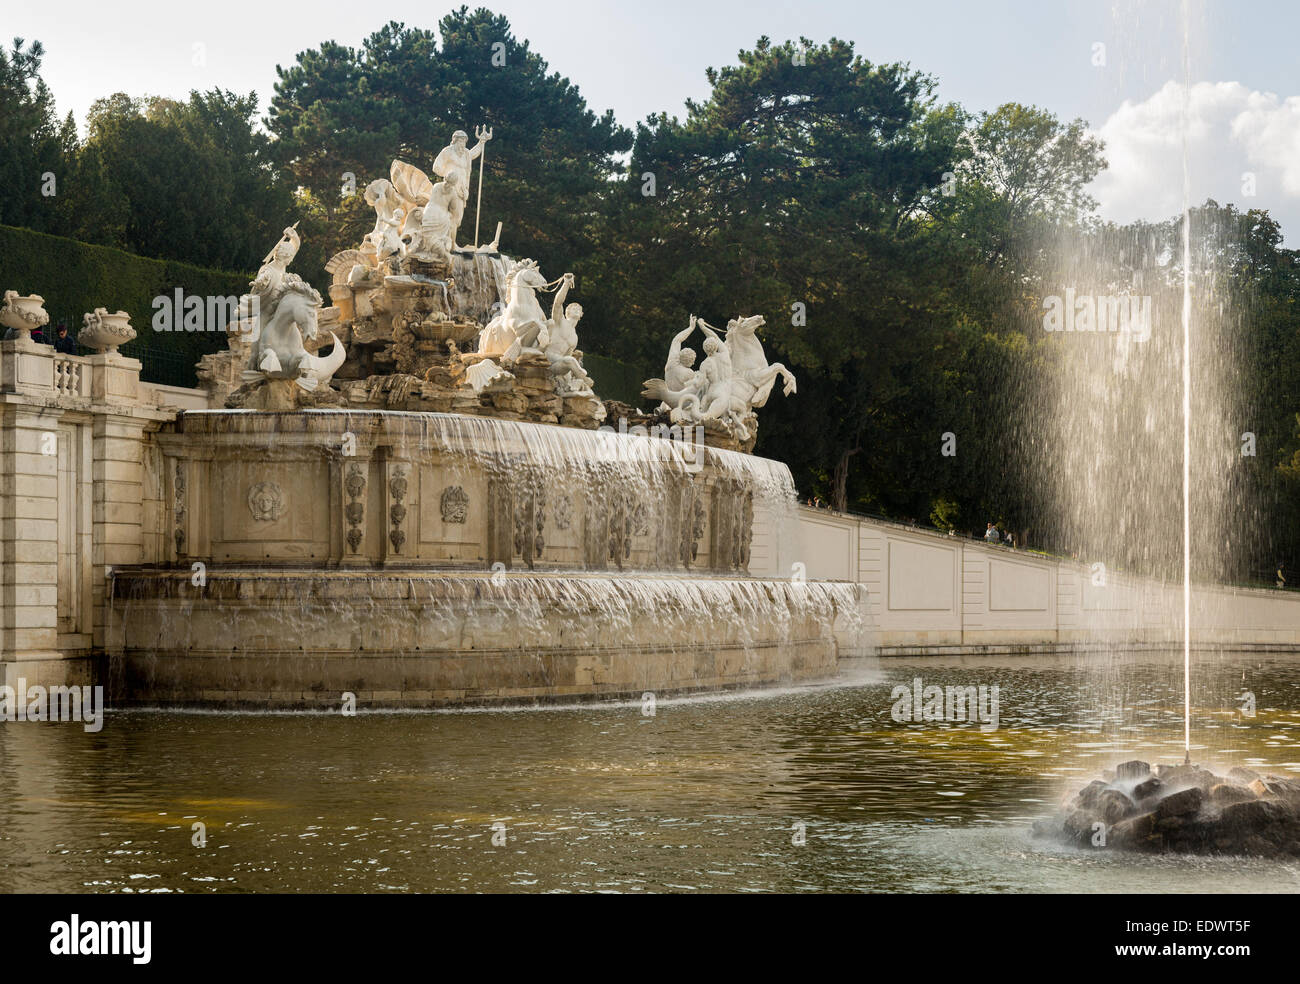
<point x="500" y="523"/>
<point x="353" y="480"/>
<point x="118" y="506"/>
<point x="29" y="567"/>
<point x="400" y="503"/>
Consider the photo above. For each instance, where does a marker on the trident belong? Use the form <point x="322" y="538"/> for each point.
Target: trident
<point x="482" y="133"/>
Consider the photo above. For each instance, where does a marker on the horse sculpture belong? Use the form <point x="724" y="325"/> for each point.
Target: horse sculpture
<point x="277" y="315"/>
<point x="733" y="379"/>
<point x="517" y="326"/>
<point x="752" y="377"/>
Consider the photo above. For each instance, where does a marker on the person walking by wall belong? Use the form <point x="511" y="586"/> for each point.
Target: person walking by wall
<point x="991" y="534"/>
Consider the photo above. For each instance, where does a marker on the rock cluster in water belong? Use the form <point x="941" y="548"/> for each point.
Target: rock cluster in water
<point x="1183" y="809"/>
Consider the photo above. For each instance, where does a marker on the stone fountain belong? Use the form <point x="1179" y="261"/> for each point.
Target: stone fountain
<point x="409" y="495"/>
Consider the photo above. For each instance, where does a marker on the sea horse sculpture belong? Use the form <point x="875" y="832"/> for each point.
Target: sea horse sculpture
<point x="517" y="327"/>
<point x="733" y="379"/>
<point x="277" y="314"/>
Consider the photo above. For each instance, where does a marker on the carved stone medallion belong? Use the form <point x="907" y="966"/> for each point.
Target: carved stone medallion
<point x="455" y="504"/>
<point x="266" y="502"/>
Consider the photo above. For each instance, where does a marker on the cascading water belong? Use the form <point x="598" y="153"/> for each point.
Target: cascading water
<point x="475" y="560"/>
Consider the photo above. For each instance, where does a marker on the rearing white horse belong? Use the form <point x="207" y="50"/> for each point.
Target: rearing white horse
<point x="753" y="379"/>
<point x="516" y="328"/>
<point x="747" y="381"/>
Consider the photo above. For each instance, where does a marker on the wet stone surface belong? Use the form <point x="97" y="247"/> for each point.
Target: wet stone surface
<point x="1181" y="809"/>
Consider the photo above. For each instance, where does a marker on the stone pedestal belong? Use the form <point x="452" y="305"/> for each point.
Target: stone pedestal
<point x="114" y="378"/>
<point x="26" y="367"/>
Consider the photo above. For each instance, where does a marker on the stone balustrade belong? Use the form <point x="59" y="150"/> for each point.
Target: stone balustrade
<point x="72" y="491"/>
<point x="71" y="376"/>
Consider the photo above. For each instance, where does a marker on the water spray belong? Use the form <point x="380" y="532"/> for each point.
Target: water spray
<point x="1187" y="400"/>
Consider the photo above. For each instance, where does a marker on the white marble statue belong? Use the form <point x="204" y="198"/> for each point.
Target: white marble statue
<point x="734" y="378"/>
<point x="435" y="232"/>
<point x="680" y="379"/>
<point x="458" y="158"/>
<point x="412" y="188"/>
<point x="385" y="241"/>
<point x="516" y="328"/>
<point x="559" y="341"/>
<point x="277" y="314"/>
<point x="714" y="381"/>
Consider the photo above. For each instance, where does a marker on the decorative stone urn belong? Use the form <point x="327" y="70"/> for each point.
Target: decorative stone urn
<point x="104" y="332"/>
<point x="21" y="314"/>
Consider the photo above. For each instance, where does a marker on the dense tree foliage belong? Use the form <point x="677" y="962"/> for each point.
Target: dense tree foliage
<point x="794" y="192"/>
<point x="189" y="181"/>
<point x="899" y="247"/>
<point x="341" y="111"/>
<point x="33" y="142"/>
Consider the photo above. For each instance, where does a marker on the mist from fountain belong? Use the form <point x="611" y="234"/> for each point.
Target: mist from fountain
<point x="1137" y="446"/>
<point x="1144" y="445"/>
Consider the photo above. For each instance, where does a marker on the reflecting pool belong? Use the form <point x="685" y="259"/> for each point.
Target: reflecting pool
<point x="705" y="794"/>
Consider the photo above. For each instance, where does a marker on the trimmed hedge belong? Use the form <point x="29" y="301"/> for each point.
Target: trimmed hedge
<point x="614" y="380"/>
<point x="76" y="277"/>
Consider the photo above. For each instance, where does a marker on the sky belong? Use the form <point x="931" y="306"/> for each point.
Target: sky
<point x="1117" y="65"/>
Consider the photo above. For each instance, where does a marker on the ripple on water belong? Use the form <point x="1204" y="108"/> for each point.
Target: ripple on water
<point x="802" y="789"/>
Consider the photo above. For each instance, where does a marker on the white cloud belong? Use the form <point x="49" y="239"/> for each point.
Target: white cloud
<point x="1269" y="129"/>
<point x="1230" y="130"/>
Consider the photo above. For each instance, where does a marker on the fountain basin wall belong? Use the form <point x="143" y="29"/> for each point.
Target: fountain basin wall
<point x="420" y="559"/>
<point x="935" y="594"/>
<point x="303" y="638"/>
<point x="364" y="488"/>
